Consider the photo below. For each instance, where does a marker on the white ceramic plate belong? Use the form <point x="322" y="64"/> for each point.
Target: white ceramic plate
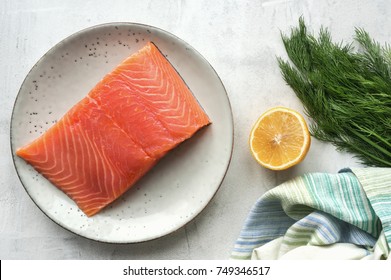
<point x="172" y="193"/>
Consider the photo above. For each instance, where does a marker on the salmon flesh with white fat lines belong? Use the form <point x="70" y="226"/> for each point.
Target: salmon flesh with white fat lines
<point x="107" y="141"/>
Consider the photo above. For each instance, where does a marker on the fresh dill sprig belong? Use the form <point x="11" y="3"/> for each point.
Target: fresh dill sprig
<point x="346" y="93"/>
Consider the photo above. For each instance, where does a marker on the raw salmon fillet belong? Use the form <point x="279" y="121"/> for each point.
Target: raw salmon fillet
<point x="106" y="142"/>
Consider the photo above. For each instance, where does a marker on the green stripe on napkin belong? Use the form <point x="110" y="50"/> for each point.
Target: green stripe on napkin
<point x="343" y="213"/>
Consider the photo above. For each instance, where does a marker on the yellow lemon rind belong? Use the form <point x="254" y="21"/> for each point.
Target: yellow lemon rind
<point x="304" y="149"/>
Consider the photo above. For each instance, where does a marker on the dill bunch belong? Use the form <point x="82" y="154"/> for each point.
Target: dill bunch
<point x="346" y="92"/>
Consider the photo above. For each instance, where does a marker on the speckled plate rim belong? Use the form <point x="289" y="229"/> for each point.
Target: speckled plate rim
<point x="75" y="34"/>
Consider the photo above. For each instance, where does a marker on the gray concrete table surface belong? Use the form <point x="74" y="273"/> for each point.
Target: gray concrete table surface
<point x="241" y="40"/>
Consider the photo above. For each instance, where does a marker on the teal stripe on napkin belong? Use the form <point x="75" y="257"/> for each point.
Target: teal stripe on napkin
<point x="321" y="210"/>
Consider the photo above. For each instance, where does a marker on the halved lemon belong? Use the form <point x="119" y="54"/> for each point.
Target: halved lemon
<point x="280" y="138"/>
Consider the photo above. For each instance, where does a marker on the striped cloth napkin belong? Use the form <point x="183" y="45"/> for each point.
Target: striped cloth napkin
<point x="321" y="216"/>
